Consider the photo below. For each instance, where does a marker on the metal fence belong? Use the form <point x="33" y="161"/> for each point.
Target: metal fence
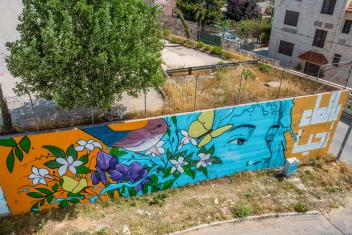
<point x="43" y="114"/>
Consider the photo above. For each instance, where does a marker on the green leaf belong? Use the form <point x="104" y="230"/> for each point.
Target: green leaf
<point x="35" y="195"/>
<point x="174" y="120"/>
<point x="10" y="161"/>
<point x="176" y="174"/>
<point x="216" y="160"/>
<point x="83" y="170"/>
<point x="71" y="152"/>
<point x="211" y="150"/>
<point x="167" y="172"/>
<point x="52" y="164"/>
<point x="188" y="170"/>
<point x="121" y="153"/>
<point x="153" y="180"/>
<point x="154" y="189"/>
<point x="111" y="193"/>
<point x="168" y="184"/>
<point x="25" y="144"/>
<point x="35" y="208"/>
<point x="75" y="200"/>
<point x="204" y="171"/>
<point x="168" y="154"/>
<point x="49" y="198"/>
<point x="168" y="131"/>
<point x="57" y="152"/>
<point x="43" y="190"/>
<point x="202" y="150"/>
<point x="19" y="153"/>
<point x="70" y="194"/>
<point x="132" y="192"/>
<point x="42" y="202"/>
<point x="183" y="153"/>
<point x="123" y="189"/>
<point x="55" y="187"/>
<point x="117" y="152"/>
<point x="84" y="159"/>
<point x="114" y="150"/>
<point x="63" y="204"/>
<point x="145" y="190"/>
<point x="10" y="142"/>
<point x="189" y="157"/>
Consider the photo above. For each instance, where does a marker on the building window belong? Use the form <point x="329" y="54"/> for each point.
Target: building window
<point x="319" y="38"/>
<point x="291" y="18"/>
<point x="336" y="59"/>
<point x="347" y="26"/>
<point x="328" y="7"/>
<point x="286" y="48"/>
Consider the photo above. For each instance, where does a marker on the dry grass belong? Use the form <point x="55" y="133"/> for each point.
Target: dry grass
<point x="223" y="89"/>
<point x="318" y="185"/>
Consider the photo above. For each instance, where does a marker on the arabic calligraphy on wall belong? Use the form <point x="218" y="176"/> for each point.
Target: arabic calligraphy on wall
<point x="59" y="169"/>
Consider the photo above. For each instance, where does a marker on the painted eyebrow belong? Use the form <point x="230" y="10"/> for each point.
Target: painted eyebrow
<point x="247" y="128"/>
<point x="244" y="126"/>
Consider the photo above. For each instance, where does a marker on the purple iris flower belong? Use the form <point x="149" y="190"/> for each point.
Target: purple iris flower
<point x="105" y="162"/>
<point x="137" y="172"/>
<point x="119" y="172"/>
<point x="108" y="163"/>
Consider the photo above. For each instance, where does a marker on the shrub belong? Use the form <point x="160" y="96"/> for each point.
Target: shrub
<point x="300" y="208"/>
<point x="241" y="211"/>
<point x="173" y="39"/>
<point x="200" y="44"/>
<point x="216" y="50"/>
<point x="208" y="48"/>
<point x="167" y="32"/>
<point x="188" y="44"/>
<point x="227" y="55"/>
<point x="264" y="68"/>
<point x="248" y="73"/>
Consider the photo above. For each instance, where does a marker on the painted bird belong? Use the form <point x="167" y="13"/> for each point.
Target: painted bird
<point x="137" y="140"/>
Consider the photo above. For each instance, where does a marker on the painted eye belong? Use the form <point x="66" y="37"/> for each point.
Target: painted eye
<point x="159" y="126"/>
<point x="239" y="141"/>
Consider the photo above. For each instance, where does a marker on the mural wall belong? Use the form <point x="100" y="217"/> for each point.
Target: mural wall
<point x="58" y="169"/>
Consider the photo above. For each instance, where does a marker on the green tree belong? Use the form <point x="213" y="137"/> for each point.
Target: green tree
<point x="204" y="11"/>
<point x="259" y="29"/>
<point x="85" y="53"/>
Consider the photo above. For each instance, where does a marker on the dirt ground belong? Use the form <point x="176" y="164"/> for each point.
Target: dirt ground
<point x="177" y="56"/>
<point x="318" y="185"/>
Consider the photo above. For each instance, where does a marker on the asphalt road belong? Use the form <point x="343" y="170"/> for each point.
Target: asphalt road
<point x="338" y="138"/>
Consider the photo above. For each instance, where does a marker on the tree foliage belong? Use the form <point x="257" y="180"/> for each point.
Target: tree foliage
<point x="243" y="9"/>
<point x="259" y="29"/>
<point x="204" y="11"/>
<point x="85" y="53"/>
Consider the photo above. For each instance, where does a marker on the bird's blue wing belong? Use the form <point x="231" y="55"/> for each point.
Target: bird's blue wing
<point x="105" y="134"/>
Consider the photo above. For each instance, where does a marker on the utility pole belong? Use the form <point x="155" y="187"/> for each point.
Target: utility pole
<point x="348" y="78"/>
<point x="344" y="141"/>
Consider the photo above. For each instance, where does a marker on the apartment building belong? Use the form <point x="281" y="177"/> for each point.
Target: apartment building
<point x="314" y="36"/>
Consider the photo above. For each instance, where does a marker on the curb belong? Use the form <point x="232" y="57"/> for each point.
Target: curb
<point x="250" y="218"/>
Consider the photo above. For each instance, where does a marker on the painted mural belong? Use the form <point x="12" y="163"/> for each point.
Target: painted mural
<point x="59" y="169"/>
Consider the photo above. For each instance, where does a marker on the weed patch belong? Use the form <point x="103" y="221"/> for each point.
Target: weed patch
<point x="241" y="211"/>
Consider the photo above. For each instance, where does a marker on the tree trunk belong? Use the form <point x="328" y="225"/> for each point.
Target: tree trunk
<point x="5" y="113"/>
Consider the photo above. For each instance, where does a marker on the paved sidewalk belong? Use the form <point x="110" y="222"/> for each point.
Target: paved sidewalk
<point x="337" y="222"/>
